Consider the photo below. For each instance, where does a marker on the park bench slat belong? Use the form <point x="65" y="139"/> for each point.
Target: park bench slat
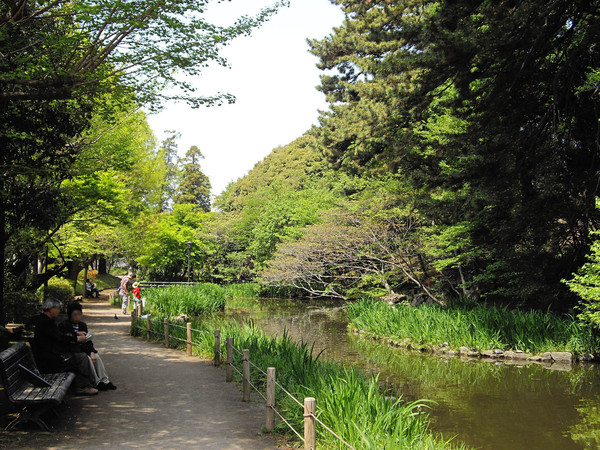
<point x="31" y="401"/>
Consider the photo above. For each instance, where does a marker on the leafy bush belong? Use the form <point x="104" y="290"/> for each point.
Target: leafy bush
<point x="58" y="288"/>
<point x="20" y="306"/>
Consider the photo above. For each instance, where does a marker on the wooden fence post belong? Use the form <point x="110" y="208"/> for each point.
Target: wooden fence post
<point x="189" y="338"/>
<point x="246" y="372"/>
<point x="229" y="368"/>
<point x="166" y="322"/>
<point x="270" y="414"/>
<point x="217" y="348"/>
<point x="139" y="309"/>
<point x="133" y="317"/>
<point x="148" y="328"/>
<point x="309" y="423"/>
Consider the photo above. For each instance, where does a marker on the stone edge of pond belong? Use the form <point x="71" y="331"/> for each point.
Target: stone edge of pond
<point x="549" y="360"/>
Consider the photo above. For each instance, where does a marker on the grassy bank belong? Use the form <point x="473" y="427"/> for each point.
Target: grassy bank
<point x="348" y="401"/>
<point x="481" y="327"/>
<point x="103" y="281"/>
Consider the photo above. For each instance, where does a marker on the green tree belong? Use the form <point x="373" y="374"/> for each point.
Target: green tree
<point x="138" y="48"/>
<point x="58" y="62"/>
<point x="194" y="186"/>
<point x="482" y="108"/>
<point x="160" y="242"/>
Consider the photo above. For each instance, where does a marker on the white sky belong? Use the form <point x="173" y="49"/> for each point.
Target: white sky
<point x="273" y="77"/>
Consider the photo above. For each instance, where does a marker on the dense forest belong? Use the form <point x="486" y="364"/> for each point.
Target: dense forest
<point x="459" y="156"/>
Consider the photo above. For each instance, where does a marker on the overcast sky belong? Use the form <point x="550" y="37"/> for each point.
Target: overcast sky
<point x="273" y="77"/>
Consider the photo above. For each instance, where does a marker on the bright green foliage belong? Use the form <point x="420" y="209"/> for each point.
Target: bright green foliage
<point x="116" y="174"/>
<point x="126" y="145"/>
<point x="482" y="327"/>
<point x="290" y="165"/>
<point x="586" y="283"/>
<point x="58" y="288"/>
<point x="121" y="47"/>
<point x="282" y="194"/>
<point x="158" y="242"/>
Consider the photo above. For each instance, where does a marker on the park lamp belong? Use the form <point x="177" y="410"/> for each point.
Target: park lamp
<point x="189" y="247"/>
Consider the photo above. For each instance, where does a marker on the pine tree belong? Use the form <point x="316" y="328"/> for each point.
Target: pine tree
<point x="194" y="187"/>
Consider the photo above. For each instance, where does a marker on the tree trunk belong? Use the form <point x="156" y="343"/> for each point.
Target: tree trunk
<point x="2" y="254"/>
<point x="3" y="233"/>
<point x="102" y="269"/>
<point x="74" y="267"/>
<point x="85" y="275"/>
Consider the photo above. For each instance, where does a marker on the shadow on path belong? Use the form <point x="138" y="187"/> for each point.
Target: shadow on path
<point x="164" y="400"/>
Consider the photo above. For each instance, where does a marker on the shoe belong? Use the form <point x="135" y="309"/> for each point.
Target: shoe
<point x="111" y="386"/>
<point x="88" y="390"/>
<point x="102" y="386"/>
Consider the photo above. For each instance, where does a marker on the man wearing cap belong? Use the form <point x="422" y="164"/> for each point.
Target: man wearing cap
<point x="53" y="353"/>
<point x="124" y="291"/>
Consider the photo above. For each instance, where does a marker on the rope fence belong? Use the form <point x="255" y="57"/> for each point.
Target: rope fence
<point x="309" y="405"/>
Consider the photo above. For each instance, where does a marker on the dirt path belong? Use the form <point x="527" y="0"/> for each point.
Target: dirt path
<point x="164" y="400"/>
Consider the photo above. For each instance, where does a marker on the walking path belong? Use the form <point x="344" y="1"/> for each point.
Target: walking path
<point x="164" y="400"/>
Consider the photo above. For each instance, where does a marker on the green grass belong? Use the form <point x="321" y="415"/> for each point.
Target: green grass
<point x="482" y="327"/>
<point x="200" y="298"/>
<point x="348" y="401"/>
<point x="103" y="281"/>
<point x="193" y="300"/>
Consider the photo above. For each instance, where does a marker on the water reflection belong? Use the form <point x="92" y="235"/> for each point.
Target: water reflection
<point x="483" y="404"/>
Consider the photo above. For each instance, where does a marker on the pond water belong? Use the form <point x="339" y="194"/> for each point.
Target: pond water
<point x="485" y="405"/>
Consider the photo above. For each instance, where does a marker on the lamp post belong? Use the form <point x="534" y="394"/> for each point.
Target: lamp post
<point x="189" y="246"/>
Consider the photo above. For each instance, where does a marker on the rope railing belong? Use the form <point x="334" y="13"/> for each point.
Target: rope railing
<point x="288" y="424"/>
<point x="289" y="395"/>
<point x="257" y="368"/>
<point x="331" y="431"/>
<point x="309" y="407"/>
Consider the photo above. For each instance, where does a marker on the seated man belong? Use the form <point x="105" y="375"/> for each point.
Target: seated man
<point x="91" y="289"/>
<point x="75" y="324"/>
<point x="53" y="353"/>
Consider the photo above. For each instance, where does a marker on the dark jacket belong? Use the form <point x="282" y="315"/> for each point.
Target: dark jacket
<point x="52" y="346"/>
<point x="86" y="347"/>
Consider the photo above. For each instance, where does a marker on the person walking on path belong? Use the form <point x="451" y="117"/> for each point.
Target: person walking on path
<point x="124" y="291"/>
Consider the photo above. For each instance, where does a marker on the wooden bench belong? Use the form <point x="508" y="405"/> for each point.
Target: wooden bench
<point x="30" y="401"/>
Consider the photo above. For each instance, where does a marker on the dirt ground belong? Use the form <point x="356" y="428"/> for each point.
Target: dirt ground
<point x="164" y="400"/>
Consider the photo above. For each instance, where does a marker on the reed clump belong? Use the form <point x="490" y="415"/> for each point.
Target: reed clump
<point x="193" y="300"/>
<point x="480" y="326"/>
<point x="348" y="401"/>
<point x="196" y="300"/>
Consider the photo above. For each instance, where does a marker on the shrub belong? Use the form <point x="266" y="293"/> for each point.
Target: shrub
<point x="58" y="288"/>
<point x="20" y="305"/>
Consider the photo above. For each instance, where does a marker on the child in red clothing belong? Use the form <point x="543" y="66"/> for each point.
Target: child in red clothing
<point x="137" y="293"/>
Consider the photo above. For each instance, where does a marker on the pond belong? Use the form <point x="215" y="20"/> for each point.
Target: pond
<point x="486" y="405"/>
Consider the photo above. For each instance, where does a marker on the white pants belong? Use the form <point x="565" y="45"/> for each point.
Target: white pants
<point x="98" y="370"/>
<point x="125" y="300"/>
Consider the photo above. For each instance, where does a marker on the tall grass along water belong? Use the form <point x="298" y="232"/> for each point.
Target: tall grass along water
<point x="481" y="327"/>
